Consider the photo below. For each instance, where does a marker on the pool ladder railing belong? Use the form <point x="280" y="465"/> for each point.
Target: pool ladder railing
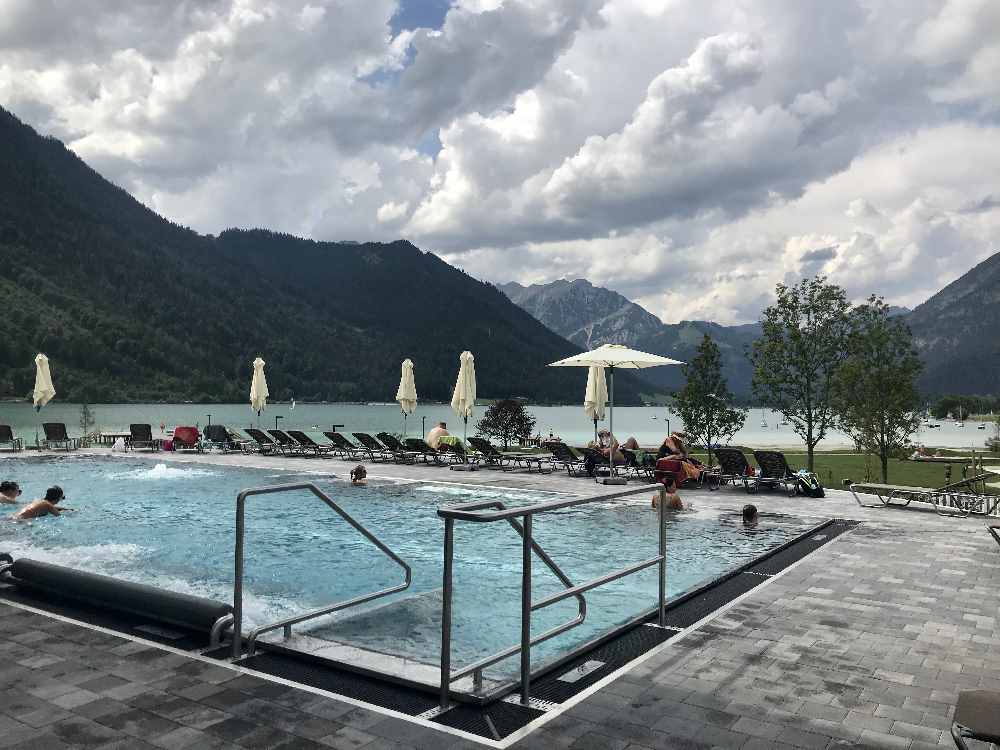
<point x="287" y="623"/>
<point x="490" y="511"/>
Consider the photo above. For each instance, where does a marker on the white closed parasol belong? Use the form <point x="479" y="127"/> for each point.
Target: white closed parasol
<point x="258" y="388"/>
<point x="44" y="390"/>
<point x="612" y="357"/>
<point x="464" y="398"/>
<point x="596" y="396"/>
<point x="406" y="394"/>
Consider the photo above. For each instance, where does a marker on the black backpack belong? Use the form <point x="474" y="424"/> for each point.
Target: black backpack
<point x="809" y="484"/>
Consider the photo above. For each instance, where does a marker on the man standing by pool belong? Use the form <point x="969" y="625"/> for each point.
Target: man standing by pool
<point x="9" y="492"/>
<point x="44" y="507"/>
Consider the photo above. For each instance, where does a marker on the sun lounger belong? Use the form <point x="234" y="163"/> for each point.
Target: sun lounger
<point x="734" y="468"/>
<point x="635" y="463"/>
<point x="774" y="471"/>
<point x="490" y="455"/>
<point x="262" y="442"/>
<point x="220" y="437"/>
<point x="375" y="450"/>
<point x="977" y="717"/>
<point x="308" y="445"/>
<point x="344" y="447"/>
<point x="459" y="452"/>
<point x="56" y="437"/>
<point x="946" y="502"/>
<point x="287" y="445"/>
<point x="7" y="438"/>
<point x="141" y="438"/>
<point x="428" y="454"/>
<point x="400" y="453"/>
<point x="187" y="439"/>
<point x="563" y="456"/>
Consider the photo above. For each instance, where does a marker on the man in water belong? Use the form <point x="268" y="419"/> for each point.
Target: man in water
<point x="436" y="433"/>
<point x="750" y="515"/>
<point x="44" y="507"/>
<point x="359" y="476"/>
<point x="9" y="492"/>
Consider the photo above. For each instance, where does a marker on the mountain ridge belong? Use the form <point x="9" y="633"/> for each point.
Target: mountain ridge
<point x="130" y="306"/>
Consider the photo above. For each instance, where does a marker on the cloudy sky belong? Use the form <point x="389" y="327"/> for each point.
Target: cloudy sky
<point x="686" y="153"/>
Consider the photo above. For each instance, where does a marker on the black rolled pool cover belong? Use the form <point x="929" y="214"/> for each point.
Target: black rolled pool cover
<point x="149" y="602"/>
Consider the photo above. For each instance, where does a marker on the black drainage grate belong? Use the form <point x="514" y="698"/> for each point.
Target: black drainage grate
<point x="595" y="665"/>
<point x="687" y="613"/>
<point x="349" y="684"/>
<point x="495" y="721"/>
<point x="782" y="559"/>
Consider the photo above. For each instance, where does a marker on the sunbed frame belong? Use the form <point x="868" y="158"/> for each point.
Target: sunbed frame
<point x="946" y="502"/>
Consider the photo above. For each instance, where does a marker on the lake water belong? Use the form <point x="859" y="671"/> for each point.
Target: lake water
<point x="648" y="424"/>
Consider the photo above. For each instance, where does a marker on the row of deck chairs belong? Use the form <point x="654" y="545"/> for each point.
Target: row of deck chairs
<point x="56" y="438"/>
<point x="772" y="472"/>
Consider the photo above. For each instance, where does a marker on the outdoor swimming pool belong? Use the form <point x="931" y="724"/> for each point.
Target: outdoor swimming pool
<point x="172" y="525"/>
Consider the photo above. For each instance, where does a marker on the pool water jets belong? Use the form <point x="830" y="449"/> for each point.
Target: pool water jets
<point x="172" y="526"/>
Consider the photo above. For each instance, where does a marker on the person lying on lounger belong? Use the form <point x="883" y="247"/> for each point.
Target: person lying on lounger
<point x="45" y="507"/>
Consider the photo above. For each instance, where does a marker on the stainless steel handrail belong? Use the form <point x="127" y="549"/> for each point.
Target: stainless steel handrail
<point x="477" y="667"/>
<point x="478" y="512"/>
<point x="287" y="622"/>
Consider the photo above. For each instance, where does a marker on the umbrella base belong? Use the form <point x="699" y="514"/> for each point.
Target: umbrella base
<point x="464" y="467"/>
<point x="612" y="480"/>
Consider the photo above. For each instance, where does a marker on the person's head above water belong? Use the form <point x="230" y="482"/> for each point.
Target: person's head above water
<point x="54" y="494"/>
<point x="749" y="514"/>
<point x="443" y="425"/>
<point x="10" y="489"/>
<point x="359" y="473"/>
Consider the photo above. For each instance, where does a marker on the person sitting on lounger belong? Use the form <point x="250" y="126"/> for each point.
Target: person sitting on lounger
<point x="359" y="476"/>
<point x="606" y="445"/>
<point x="674" y="447"/>
<point x="9" y="492"/>
<point x="45" y="507"/>
<point x="436" y="433"/>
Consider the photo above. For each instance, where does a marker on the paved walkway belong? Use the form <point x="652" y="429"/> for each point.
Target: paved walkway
<point x="866" y="643"/>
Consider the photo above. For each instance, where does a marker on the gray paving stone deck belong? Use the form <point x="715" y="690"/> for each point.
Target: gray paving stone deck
<point x="865" y="643"/>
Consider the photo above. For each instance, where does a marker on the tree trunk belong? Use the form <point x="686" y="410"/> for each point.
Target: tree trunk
<point x="884" y="456"/>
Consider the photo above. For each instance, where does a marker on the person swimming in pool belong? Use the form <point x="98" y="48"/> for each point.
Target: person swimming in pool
<point x="48" y="506"/>
<point x="750" y="515"/>
<point x="9" y="492"/>
<point x="359" y="476"/>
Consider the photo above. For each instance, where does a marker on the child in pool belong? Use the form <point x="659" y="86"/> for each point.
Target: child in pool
<point x="44" y="507"/>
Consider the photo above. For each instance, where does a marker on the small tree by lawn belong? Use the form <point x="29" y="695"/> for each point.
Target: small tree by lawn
<point x="506" y="421"/>
<point x="705" y="404"/>
<point x="799" y="351"/>
<point x="875" y="387"/>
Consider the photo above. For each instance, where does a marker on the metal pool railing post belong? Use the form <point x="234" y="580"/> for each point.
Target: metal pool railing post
<point x="446" y="594"/>
<point x="662" y="568"/>
<point x="526" y="610"/>
<point x="238" y="580"/>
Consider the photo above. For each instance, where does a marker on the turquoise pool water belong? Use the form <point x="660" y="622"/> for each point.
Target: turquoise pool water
<point x="172" y="525"/>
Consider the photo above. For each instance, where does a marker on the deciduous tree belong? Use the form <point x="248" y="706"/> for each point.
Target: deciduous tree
<point x="506" y="421"/>
<point x="705" y="404"/>
<point x="800" y="349"/>
<point x="875" y="387"/>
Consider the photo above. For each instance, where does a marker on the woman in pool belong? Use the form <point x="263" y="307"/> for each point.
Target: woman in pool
<point x="359" y="476"/>
<point x="45" y="507"/>
<point x="674" y="501"/>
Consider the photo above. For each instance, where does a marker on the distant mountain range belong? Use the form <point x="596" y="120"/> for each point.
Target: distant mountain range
<point x="129" y="306"/>
<point x="958" y="333"/>
<point x="590" y="315"/>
